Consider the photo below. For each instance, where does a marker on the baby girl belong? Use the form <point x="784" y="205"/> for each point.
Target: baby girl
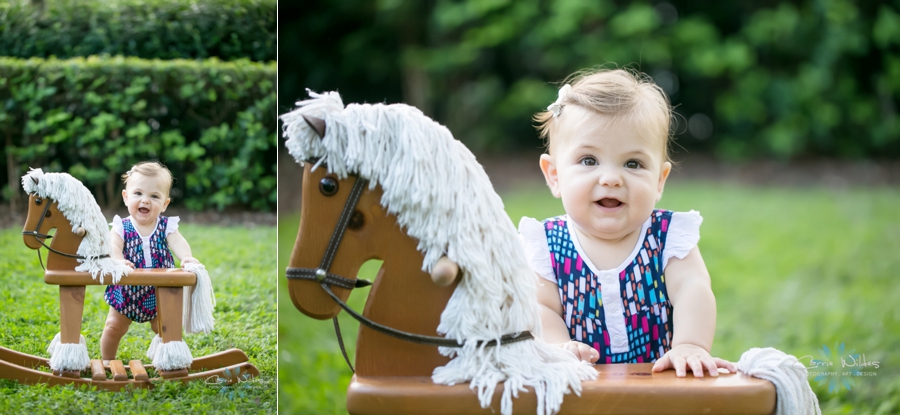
<point x="142" y="240"/>
<point x="618" y="281"/>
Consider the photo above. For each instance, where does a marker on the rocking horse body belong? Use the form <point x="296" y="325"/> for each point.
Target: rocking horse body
<point x="45" y="215"/>
<point x="395" y="376"/>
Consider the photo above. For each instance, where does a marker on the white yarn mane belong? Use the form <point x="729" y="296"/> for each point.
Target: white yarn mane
<point x="78" y="205"/>
<point x="443" y="198"/>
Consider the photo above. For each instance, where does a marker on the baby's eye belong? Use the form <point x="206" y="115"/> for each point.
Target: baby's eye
<point x="137" y="193"/>
<point x="588" y="161"/>
<point x="155" y="197"/>
<point x="633" y="164"/>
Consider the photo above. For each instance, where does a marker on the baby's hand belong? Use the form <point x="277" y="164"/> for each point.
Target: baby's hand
<point x="127" y="262"/>
<point x="189" y="260"/>
<point x="697" y="358"/>
<point x="581" y="351"/>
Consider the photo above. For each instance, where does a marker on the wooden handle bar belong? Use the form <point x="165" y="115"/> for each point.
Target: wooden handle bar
<point x="158" y="277"/>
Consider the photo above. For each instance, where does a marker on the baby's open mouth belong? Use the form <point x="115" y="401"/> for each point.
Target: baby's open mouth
<point x="143" y="210"/>
<point x="609" y="202"/>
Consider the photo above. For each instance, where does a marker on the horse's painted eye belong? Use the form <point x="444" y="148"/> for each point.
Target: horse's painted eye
<point x="328" y="186"/>
<point x="38" y="201"/>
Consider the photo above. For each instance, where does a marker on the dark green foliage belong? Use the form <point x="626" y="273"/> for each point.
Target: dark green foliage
<point x="212" y="123"/>
<point x="784" y="80"/>
<point x="160" y="29"/>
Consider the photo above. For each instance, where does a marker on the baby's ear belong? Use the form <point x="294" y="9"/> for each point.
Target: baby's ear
<point x="663" y="175"/>
<point x="548" y="167"/>
<point x="166" y="204"/>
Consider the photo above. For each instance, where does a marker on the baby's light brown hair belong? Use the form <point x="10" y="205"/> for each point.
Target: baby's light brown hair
<point x="619" y="94"/>
<point x="150" y="169"/>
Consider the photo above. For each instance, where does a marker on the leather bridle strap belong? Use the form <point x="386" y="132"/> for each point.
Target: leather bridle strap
<point x="326" y="280"/>
<point x="330" y="279"/>
<point x="321" y="274"/>
<point x="41" y="237"/>
<point x="419" y="338"/>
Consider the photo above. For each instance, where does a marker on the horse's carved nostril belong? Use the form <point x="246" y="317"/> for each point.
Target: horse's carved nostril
<point x="47" y="215"/>
<point x="328" y="186"/>
<point x="357" y="220"/>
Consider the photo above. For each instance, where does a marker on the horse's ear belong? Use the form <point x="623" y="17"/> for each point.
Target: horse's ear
<point x="35" y="179"/>
<point x="317" y="124"/>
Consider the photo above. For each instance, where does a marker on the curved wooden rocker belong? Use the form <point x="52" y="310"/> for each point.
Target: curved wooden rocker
<point x="394" y="376"/>
<point x="43" y="216"/>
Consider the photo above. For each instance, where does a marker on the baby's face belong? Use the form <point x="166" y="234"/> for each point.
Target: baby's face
<point x="608" y="174"/>
<point x="145" y="197"/>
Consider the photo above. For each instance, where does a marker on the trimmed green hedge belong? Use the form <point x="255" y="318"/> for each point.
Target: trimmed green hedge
<point x="212" y="123"/>
<point x="149" y="29"/>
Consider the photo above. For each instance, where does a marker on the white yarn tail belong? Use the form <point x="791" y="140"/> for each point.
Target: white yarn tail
<point x="551" y="371"/>
<point x="172" y="355"/>
<point x="68" y="356"/>
<point x="154" y="345"/>
<point x="199" y="302"/>
<point x="789" y="376"/>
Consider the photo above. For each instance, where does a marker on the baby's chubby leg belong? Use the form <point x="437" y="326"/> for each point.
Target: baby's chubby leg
<point x="116" y="327"/>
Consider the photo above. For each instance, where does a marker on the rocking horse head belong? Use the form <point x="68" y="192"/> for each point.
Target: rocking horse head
<point x="387" y="182"/>
<point x="81" y="242"/>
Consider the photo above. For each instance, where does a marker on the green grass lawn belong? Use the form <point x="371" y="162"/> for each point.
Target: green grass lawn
<point x="241" y="266"/>
<point x="794" y="269"/>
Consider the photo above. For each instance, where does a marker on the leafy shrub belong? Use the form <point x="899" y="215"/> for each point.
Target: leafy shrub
<point x="212" y="123"/>
<point x="751" y="79"/>
<point x="161" y="29"/>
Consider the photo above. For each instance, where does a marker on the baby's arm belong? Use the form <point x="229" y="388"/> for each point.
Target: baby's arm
<point x="118" y="246"/>
<point x="553" y="326"/>
<point x="694" y="318"/>
<point x="180" y="248"/>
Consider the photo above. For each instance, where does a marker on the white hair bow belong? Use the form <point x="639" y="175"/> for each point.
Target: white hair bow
<point x="556" y="107"/>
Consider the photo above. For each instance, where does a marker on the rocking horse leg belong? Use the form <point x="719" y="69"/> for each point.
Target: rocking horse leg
<point x="169" y="308"/>
<point x="71" y="310"/>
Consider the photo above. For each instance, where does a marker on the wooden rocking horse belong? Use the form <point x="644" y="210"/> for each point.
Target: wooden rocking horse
<point x="355" y="209"/>
<point x="66" y="254"/>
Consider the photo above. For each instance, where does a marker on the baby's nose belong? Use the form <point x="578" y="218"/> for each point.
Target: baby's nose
<point x="610" y="177"/>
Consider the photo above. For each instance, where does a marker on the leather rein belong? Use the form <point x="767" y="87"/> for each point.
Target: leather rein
<point x="327" y="279"/>
<point x="41" y="237"/>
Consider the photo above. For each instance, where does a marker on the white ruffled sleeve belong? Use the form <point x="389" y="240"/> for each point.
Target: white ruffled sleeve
<point x="172" y="225"/>
<point x="117" y="227"/>
<point x="537" y="252"/>
<point x="683" y="235"/>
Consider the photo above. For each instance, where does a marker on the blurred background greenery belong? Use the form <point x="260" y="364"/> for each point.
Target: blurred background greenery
<point x="750" y="79"/>
<point x="791" y="90"/>
<point x="91" y="87"/>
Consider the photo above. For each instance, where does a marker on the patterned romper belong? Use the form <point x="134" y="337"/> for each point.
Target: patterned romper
<point x="138" y="303"/>
<point x="629" y="322"/>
